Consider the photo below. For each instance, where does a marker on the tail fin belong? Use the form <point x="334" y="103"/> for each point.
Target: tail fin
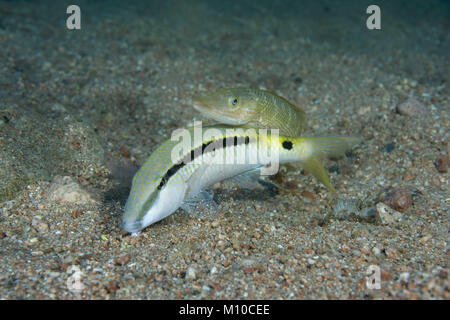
<point x="330" y="147"/>
<point x="321" y="147"/>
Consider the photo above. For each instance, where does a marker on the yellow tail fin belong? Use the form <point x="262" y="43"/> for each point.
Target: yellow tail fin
<point x="334" y="146"/>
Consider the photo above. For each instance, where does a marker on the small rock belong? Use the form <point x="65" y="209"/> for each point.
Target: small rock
<point x="124" y="152"/>
<point x="66" y="190"/>
<point x="309" y="195"/>
<point x="391" y="253"/>
<point x="57" y="107"/>
<point x="387" y="215"/>
<point x="410" y="107"/>
<point x="388" y="148"/>
<point x="248" y="262"/>
<point x="77" y="213"/>
<point x="213" y="270"/>
<point x="291" y="184"/>
<point x="442" y="163"/>
<point x="123" y="260"/>
<point x="398" y="199"/>
<point x="205" y="288"/>
<point x="386" y="275"/>
<point x="190" y="273"/>
<point x="42" y="227"/>
<point x="112" y="286"/>
<point x="376" y="251"/>
<point x="54" y="274"/>
<point x="215" y="224"/>
<point x="404" y="277"/>
<point x="35" y="221"/>
<point x="221" y="243"/>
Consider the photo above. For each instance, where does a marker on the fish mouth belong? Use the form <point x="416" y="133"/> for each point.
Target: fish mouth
<point x="213" y="112"/>
<point x="200" y="104"/>
<point x="132" y="226"/>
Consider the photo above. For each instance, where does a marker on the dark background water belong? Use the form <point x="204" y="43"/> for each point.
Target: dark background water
<point x="339" y="23"/>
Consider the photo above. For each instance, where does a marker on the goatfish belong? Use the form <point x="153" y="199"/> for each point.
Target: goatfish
<point x="176" y="174"/>
<point x="253" y="107"/>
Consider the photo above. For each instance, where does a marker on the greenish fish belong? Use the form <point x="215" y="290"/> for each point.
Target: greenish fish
<point x="254" y="107"/>
<point x="177" y="173"/>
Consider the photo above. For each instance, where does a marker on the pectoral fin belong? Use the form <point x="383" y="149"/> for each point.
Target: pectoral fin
<point x="248" y="180"/>
<point x="252" y="180"/>
<point x="195" y="204"/>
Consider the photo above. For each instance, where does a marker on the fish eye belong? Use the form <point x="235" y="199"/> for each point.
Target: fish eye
<point x="235" y="101"/>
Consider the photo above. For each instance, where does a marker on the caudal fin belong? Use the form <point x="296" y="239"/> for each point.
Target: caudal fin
<point x="330" y="147"/>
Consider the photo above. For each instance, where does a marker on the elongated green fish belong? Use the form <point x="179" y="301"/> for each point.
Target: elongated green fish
<point x="176" y="173"/>
<point x="254" y="107"/>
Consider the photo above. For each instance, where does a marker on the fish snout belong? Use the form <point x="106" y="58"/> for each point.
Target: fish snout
<point x="199" y="102"/>
<point x="132" y="226"/>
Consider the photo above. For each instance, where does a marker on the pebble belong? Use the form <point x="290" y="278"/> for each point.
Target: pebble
<point x="442" y="163"/>
<point x="388" y="148"/>
<point x="387" y="215"/>
<point x="190" y="273"/>
<point x="398" y="199"/>
<point x="248" y="262"/>
<point x="308" y="194"/>
<point x="206" y="288"/>
<point x="404" y="277"/>
<point x="391" y="253"/>
<point x="66" y="190"/>
<point x="215" y="224"/>
<point x="376" y="251"/>
<point x="112" y="286"/>
<point x="54" y="274"/>
<point x="123" y="260"/>
<point x="221" y="243"/>
<point x="213" y="270"/>
<point x="410" y="107"/>
<point x="77" y="213"/>
<point x="42" y="227"/>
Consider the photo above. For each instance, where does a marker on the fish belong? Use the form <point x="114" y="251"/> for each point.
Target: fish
<point x="178" y="173"/>
<point x="253" y="107"/>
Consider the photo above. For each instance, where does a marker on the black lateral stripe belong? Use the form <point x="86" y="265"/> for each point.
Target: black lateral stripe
<point x="191" y="156"/>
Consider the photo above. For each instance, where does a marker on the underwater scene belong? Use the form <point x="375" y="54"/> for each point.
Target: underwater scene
<point x="207" y="149"/>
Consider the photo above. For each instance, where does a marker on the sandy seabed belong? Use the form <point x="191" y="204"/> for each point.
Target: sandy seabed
<point x="91" y="105"/>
